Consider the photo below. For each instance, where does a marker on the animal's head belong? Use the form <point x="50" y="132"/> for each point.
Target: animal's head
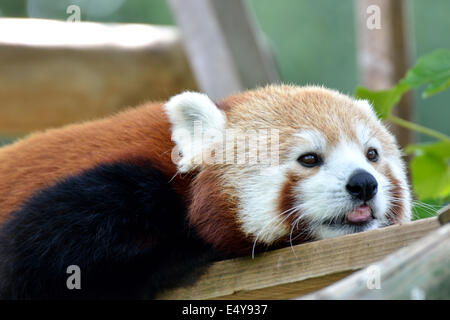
<point x="285" y="163"/>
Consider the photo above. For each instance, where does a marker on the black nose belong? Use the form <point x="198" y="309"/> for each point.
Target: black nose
<point x="362" y="185"/>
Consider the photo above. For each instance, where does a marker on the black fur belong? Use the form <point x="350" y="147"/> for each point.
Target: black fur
<point x="122" y="224"/>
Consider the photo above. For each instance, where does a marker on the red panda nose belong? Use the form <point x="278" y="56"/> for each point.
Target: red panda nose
<point x="362" y="185"/>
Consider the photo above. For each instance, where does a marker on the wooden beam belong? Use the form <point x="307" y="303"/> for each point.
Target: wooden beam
<point x="289" y="272"/>
<point x="224" y="47"/>
<point x="85" y="70"/>
<point x="383" y="52"/>
<point x="444" y="215"/>
<point x="419" y="271"/>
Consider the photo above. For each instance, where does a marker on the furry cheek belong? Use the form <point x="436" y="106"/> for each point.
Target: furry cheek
<point x="290" y="208"/>
<point x="399" y="197"/>
<point x="213" y="213"/>
<point x="258" y="210"/>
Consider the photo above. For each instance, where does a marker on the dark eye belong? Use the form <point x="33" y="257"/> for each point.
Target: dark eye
<point x="372" y="154"/>
<point x="310" y="160"/>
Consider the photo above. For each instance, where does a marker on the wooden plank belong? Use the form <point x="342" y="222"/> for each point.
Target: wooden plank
<point x="419" y="271"/>
<point x="383" y="52"/>
<point x="48" y="80"/>
<point x="225" y="50"/>
<point x="283" y="271"/>
<point x="287" y="290"/>
<point x="444" y="214"/>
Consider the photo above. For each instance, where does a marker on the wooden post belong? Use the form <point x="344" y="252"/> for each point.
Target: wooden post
<point x="226" y="52"/>
<point x="383" y="52"/>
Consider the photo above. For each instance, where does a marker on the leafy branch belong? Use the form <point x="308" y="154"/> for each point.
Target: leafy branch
<point x="430" y="167"/>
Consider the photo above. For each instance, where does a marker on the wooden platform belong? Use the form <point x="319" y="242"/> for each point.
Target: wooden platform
<point x="418" y="272"/>
<point x="86" y="70"/>
<point x="291" y="272"/>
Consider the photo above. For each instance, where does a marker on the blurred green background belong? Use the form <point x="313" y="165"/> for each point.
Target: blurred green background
<point x="314" y="41"/>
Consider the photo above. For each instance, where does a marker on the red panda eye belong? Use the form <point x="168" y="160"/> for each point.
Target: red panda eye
<point x="372" y="154"/>
<point x="310" y="160"/>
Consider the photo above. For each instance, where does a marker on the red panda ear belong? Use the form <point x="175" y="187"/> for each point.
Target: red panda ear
<point x="197" y="123"/>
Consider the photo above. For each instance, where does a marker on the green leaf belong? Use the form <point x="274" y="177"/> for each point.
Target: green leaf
<point x="440" y="149"/>
<point x="430" y="170"/>
<point x="432" y="69"/>
<point x="383" y="100"/>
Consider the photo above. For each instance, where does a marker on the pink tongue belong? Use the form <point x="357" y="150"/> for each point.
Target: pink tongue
<point x="359" y="214"/>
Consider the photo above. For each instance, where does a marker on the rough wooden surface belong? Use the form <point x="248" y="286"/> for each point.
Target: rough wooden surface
<point x="281" y="274"/>
<point x="85" y="70"/>
<point x="444" y="214"/>
<point x="420" y="271"/>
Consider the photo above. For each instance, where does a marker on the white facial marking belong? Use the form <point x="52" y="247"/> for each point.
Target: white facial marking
<point x="258" y="193"/>
<point x="313" y="138"/>
<point x="367" y="139"/>
<point x="324" y="196"/>
<point x="309" y="141"/>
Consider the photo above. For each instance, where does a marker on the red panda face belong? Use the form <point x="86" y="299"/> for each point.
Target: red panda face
<point x="332" y="168"/>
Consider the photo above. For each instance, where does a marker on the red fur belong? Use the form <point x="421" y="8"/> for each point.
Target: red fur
<point x="397" y="207"/>
<point x="286" y="204"/>
<point x="287" y="198"/>
<point x="43" y="158"/>
<point x="213" y="211"/>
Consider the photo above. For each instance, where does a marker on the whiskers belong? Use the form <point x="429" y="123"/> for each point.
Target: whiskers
<point x="429" y="209"/>
<point x="182" y="175"/>
<point x="394" y="203"/>
<point x="420" y="209"/>
<point x="303" y="232"/>
<point x="174" y="176"/>
<point x="288" y="213"/>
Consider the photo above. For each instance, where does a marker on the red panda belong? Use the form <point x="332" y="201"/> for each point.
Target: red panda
<point x="146" y="198"/>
